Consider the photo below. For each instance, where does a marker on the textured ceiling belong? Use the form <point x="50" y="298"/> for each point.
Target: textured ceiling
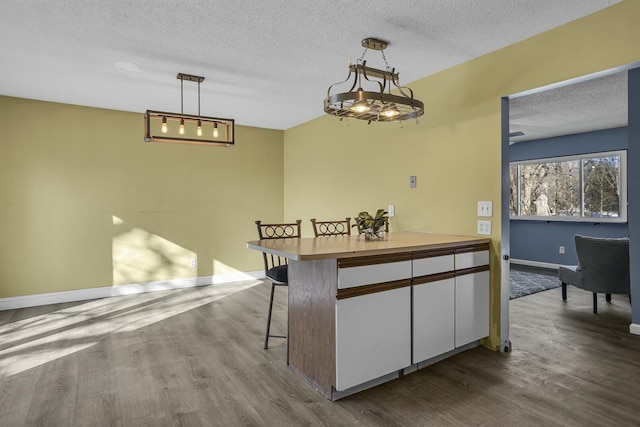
<point x="598" y="103"/>
<point x="259" y="58"/>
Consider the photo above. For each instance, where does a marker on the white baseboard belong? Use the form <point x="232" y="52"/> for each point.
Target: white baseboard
<point x="634" y="328"/>
<point x="12" y="303"/>
<point x="535" y="263"/>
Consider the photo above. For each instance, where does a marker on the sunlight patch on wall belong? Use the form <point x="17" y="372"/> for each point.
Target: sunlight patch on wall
<point x="223" y="273"/>
<point x="140" y="256"/>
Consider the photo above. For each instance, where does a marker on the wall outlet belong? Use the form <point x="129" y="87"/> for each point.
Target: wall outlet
<point x="485" y="208"/>
<point x="192" y="263"/>
<point x="561" y="250"/>
<point x="412" y="181"/>
<point x="484" y="227"/>
<point x="391" y="211"/>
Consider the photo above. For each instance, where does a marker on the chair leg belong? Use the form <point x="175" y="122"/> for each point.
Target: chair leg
<point x="564" y="291"/>
<point x="266" y="335"/>
<point x="287" y="336"/>
<point x="608" y="297"/>
<point x="595" y="303"/>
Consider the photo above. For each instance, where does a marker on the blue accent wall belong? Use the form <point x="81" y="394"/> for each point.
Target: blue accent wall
<point x="540" y="240"/>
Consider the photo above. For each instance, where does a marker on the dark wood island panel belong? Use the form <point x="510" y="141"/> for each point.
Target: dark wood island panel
<point x="312" y="330"/>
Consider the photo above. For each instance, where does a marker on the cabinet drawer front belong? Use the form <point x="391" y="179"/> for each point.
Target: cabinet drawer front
<point x="434" y="265"/>
<point x="370" y="274"/>
<point x="471" y="259"/>
<point x="373" y="336"/>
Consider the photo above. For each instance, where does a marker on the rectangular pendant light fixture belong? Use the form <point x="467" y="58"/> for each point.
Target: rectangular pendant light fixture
<point x="187" y="128"/>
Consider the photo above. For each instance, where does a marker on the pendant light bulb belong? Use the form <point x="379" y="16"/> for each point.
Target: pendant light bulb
<point x="361" y="105"/>
<point x="199" y="130"/>
<point x="181" y="129"/>
<point x="391" y="111"/>
<point x="164" y="125"/>
<point x="215" y="129"/>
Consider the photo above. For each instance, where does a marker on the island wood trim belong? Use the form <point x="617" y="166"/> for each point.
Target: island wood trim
<point x="373" y="259"/>
<point x="433" y="277"/>
<point x="432" y="253"/>
<point x="472" y="270"/>
<point x="372" y="289"/>
<point x="472" y="248"/>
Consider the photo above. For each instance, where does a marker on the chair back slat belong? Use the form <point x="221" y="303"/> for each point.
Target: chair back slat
<point x="331" y="228"/>
<point x="277" y="231"/>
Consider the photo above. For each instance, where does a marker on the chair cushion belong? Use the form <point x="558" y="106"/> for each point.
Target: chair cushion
<point x="571" y="275"/>
<point x="278" y="274"/>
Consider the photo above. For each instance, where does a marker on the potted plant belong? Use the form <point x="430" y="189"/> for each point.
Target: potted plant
<point x="373" y="227"/>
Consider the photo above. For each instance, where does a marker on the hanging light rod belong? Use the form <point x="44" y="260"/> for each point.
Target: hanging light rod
<point x="190" y="128"/>
<point x="377" y="103"/>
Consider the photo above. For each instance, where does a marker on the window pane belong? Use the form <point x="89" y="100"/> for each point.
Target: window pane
<point x="602" y="187"/>
<point x="587" y="187"/>
<point x="513" y="193"/>
<point x="565" y="193"/>
<point x="533" y="200"/>
<point x="550" y="189"/>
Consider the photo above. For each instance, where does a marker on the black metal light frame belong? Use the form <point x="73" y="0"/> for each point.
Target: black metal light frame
<point x="225" y="128"/>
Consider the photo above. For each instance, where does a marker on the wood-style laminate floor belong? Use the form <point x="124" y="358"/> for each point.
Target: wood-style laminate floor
<point x="194" y="357"/>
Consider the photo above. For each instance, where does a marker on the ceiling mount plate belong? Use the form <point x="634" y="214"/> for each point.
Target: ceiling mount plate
<point x="375" y="44"/>
<point x="190" y="78"/>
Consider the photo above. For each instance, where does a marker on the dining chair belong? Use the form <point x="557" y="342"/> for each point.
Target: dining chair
<point x="331" y="228"/>
<point x="275" y="267"/>
<point x="603" y="267"/>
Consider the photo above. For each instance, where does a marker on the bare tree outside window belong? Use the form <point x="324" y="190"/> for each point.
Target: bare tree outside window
<point x="582" y="188"/>
<point x="601" y="187"/>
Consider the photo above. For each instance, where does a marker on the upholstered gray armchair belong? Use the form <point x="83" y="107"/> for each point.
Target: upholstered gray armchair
<point x="603" y="268"/>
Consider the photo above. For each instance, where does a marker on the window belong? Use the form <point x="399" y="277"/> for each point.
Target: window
<point x="588" y="187"/>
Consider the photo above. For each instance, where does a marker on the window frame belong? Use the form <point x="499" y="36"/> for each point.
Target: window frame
<point x="623" y="205"/>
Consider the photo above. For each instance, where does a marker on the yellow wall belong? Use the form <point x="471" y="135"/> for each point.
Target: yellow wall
<point x="333" y="170"/>
<point x="85" y="202"/>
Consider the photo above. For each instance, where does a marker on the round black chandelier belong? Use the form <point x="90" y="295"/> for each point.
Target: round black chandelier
<point x="376" y="103"/>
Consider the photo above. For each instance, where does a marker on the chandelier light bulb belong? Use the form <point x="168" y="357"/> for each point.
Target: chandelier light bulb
<point x="391" y="111"/>
<point x="181" y="129"/>
<point x="360" y="107"/>
<point x="164" y="125"/>
<point x="199" y="130"/>
<point x="215" y="129"/>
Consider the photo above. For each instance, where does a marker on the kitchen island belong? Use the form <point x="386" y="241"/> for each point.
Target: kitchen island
<point x="365" y="312"/>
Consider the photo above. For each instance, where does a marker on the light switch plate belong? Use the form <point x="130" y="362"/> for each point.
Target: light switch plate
<point x="484" y="227"/>
<point x="485" y="208"/>
<point x="412" y="181"/>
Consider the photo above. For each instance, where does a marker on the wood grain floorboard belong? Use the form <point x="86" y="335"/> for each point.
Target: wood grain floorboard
<point x="194" y="357"/>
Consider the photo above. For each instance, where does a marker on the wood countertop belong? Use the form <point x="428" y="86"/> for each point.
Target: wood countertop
<point x="316" y="248"/>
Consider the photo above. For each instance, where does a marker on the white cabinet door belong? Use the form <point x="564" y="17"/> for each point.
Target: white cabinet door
<point x="433" y="319"/>
<point x="373" y="336"/>
<point x="472" y="307"/>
